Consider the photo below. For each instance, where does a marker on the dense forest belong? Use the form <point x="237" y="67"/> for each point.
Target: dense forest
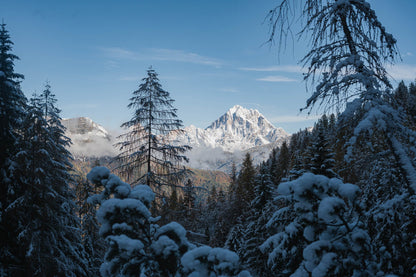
<point x="337" y="199"/>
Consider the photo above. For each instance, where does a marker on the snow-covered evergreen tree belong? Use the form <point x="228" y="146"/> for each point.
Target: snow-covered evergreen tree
<point x="320" y="231"/>
<point x="245" y="183"/>
<point x="49" y="235"/>
<point x="137" y="246"/>
<point x="93" y="243"/>
<point x="350" y="48"/>
<point x="205" y="261"/>
<point x="282" y="164"/>
<point x="147" y="152"/>
<point x="12" y="111"/>
<point x="322" y="157"/>
<point x="255" y="231"/>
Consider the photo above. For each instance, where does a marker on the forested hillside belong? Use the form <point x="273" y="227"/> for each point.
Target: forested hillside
<point x="337" y="199"/>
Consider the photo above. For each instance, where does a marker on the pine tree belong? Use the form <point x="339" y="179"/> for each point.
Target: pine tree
<point x="255" y="231"/>
<point x="322" y="160"/>
<point x="245" y="182"/>
<point x="147" y="152"/>
<point x="136" y="245"/>
<point x="189" y="196"/>
<point x="298" y="151"/>
<point x="281" y="169"/>
<point x="189" y="210"/>
<point x="320" y="230"/>
<point x="350" y="48"/>
<point x="93" y="244"/>
<point x="207" y="261"/>
<point x="49" y="235"/>
<point x="12" y="112"/>
<point x="233" y="176"/>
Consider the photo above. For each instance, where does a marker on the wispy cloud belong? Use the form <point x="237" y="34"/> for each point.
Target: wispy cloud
<point x="159" y="54"/>
<point x="278" y="68"/>
<point x="276" y="79"/>
<point x="182" y="56"/>
<point x="293" y="118"/>
<point x="405" y="72"/>
<point x="120" y="53"/>
<point x="233" y="90"/>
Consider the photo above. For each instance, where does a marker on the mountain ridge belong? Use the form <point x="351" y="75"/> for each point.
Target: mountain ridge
<point x="236" y="130"/>
<point x="224" y="141"/>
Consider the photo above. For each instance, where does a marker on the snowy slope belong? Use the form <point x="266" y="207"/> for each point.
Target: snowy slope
<point x="229" y="137"/>
<point x="89" y="139"/>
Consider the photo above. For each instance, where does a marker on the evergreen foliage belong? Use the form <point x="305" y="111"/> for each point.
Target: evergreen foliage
<point x="320" y="230"/>
<point x="12" y="112"/>
<point x="93" y="243"/>
<point x="375" y="134"/>
<point x="139" y="247"/>
<point x="147" y="153"/>
<point x="245" y="183"/>
<point x="49" y="236"/>
<point x="322" y="157"/>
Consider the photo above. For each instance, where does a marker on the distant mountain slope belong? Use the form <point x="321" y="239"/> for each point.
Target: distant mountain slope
<point x="238" y="129"/>
<point x="89" y="139"/>
<point x="227" y="139"/>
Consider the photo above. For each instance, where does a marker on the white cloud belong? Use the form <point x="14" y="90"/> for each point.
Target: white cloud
<point x="120" y="53"/>
<point x="233" y="90"/>
<point x="276" y="79"/>
<point x="182" y="56"/>
<point x="159" y="54"/>
<point x="97" y="148"/>
<point x="278" y="68"/>
<point x="405" y="72"/>
<point x="293" y="118"/>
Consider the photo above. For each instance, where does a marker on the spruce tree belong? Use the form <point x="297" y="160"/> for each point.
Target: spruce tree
<point x="322" y="157"/>
<point x="93" y="243"/>
<point x="148" y="154"/>
<point x="12" y="112"/>
<point x="245" y="182"/>
<point x="189" y="196"/>
<point x="49" y="229"/>
<point x="320" y="231"/>
<point x="346" y="65"/>
<point x="282" y="163"/>
<point x="255" y="231"/>
<point x="136" y="245"/>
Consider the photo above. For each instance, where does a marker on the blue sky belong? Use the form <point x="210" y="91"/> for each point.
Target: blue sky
<point x="209" y="55"/>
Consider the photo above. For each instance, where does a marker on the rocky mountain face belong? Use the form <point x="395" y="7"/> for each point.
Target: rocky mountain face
<point x="226" y="140"/>
<point x="229" y="137"/>
<point x="238" y="129"/>
<point x="89" y="139"/>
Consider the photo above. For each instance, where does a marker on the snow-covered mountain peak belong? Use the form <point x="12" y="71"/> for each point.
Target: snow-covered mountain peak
<point x="238" y="129"/>
<point x="88" y="138"/>
<point x="239" y="111"/>
<point x="236" y="109"/>
<point x="84" y="126"/>
<point x="241" y="120"/>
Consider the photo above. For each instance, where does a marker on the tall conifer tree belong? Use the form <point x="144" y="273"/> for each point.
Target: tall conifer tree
<point x="148" y="154"/>
<point x="49" y="234"/>
<point x="12" y="111"/>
